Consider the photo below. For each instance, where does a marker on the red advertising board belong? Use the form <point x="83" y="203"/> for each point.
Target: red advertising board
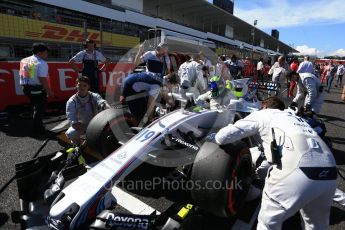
<point x="61" y="79"/>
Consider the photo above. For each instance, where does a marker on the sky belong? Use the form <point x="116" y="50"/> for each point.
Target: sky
<point x="310" y="26"/>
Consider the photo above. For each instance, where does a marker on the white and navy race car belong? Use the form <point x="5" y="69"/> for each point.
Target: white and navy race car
<point x="173" y="140"/>
<point x="176" y="139"/>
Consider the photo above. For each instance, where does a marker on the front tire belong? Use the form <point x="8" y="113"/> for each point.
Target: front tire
<point x="229" y="166"/>
<point x="107" y="129"/>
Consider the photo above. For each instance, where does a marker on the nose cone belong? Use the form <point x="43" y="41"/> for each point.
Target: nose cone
<point x="62" y="209"/>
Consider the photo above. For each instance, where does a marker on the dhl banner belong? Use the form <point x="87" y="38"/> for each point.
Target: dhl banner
<point x="61" y="79"/>
<point x="26" y="28"/>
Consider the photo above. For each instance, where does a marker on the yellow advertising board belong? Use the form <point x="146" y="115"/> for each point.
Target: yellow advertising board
<point x="33" y="29"/>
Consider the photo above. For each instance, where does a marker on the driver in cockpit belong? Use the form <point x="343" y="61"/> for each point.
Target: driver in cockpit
<point x="218" y="95"/>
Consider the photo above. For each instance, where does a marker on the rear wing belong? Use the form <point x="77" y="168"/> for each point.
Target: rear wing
<point x="264" y="86"/>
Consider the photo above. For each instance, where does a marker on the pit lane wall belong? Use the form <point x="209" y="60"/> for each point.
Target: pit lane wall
<point x="61" y="79"/>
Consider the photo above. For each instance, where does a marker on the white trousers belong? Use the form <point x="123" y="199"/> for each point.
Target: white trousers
<point x="296" y="192"/>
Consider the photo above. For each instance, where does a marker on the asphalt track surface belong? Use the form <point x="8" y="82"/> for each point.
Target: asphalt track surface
<point x="16" y="145"/>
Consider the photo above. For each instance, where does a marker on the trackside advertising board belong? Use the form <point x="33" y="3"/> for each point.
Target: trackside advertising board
<point x="26" y="28"/>
<point x="61" y="79"/>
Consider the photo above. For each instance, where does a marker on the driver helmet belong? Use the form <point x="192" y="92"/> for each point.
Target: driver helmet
<point x="217" y="86"/>
<point x="240" y="87"/>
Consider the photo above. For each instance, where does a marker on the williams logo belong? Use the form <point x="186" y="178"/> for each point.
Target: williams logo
<point x="184" y="143"/>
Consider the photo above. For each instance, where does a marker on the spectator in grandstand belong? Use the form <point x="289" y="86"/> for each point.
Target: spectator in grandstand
<point x="260" y="69"/>
<point x="340" y="74"/>
<point x="306" y="66"/>
<point x="278" y="70"/>
<point x="81" y="108"/>
<point x="34" y="81"/>
<point x="331" y="70"/>
<point x="90" y="58"/>
<point x="157" y="61"/>
<point x="293" y="67"/>
<point x="235" y="66"/>
<point x="192" y="80"/>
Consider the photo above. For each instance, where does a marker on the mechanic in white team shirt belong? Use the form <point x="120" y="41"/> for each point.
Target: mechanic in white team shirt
<point x="191" y="77"/>
<point x="306" y="66"/>
<point x="207" y="62"/>
<point x="279" y="70"/>
<point x="308" y="87"/>
<point x="303" y="179"/>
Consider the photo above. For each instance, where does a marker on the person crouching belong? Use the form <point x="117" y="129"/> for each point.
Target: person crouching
<point x="81" y="108"/>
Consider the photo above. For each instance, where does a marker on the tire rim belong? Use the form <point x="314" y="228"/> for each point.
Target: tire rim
<point x="242" y="172"/>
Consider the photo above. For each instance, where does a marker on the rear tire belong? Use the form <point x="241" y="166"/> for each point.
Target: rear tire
<point x="107" y="129"/>
<point x="229" y="166"/>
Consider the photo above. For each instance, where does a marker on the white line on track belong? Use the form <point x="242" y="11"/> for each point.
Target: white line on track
<point x="131" y="203"/>
<point x="60" y="125"/>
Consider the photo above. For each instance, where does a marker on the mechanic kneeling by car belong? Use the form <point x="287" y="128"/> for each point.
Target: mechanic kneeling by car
<point x="81" y="108"/>
<point x="308" y="87"/>
<point x="303" y="175"/>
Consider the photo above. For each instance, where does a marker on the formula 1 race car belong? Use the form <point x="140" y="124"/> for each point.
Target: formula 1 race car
<point x="177" y="139"/>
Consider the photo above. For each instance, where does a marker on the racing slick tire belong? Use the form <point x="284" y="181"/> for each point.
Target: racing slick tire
<point x="107" y="129"/>
<point x="222" y="176"/>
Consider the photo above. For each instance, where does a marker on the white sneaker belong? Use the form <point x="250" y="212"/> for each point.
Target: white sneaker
<point x="339" y="197"/>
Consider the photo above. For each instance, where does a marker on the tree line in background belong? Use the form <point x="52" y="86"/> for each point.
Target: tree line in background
<point x="335" y="57"/>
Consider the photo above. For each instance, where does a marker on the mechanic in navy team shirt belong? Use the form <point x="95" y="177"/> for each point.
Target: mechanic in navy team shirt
<point x="153" y="59"/>
<point x="140" y="90"/>
<point x="90" y="57"/>
<point x="235" y="67"/>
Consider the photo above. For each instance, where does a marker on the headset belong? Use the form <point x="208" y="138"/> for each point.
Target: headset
<point x="88" y="41"/>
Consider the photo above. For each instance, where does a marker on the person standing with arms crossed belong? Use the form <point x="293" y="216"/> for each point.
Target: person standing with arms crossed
<point x="90" y="58"/>
<point x="34" y="81"/>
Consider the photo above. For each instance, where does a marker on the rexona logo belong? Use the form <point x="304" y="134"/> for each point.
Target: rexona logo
<point x="60" y="33"/>
<point x="127" y="221"/>
<point x="182" y="142"/>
